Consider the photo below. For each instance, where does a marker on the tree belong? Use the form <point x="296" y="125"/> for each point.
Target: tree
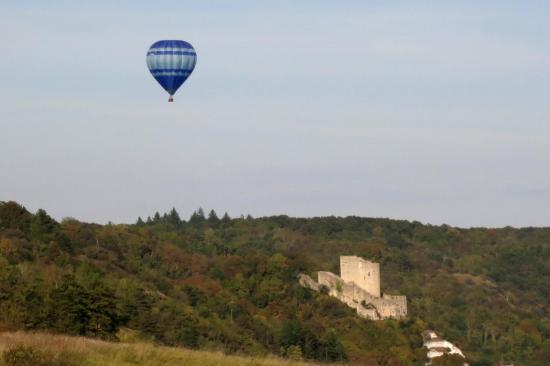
<point x="104" y="318"/>
<point x="136" y="307"/>
<point x="9" y="277"/>
<point x="42" y="226"/>
<point x="226" y="218"/>
<point x="68" y="307"/>
<point x="233" y="286"/>
<point x="294" y="333"/>
<point x="34" y="307"/>
<point x="14" y="216"/>
<point x="140" y="222"/>
<point x="331" y="349"/>
<point x="213" y="217"/>
<point x="75" y="309"/>
<point x="174" y="218"/>
<point x="197" y="217"/>
<point x="200" y="212"/>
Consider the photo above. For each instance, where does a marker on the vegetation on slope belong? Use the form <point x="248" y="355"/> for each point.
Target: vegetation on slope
<point x="40" y="349"/>
<point x="230" y="284"/>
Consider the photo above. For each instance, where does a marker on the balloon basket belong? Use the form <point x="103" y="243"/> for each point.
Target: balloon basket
<point x="170" y="99"/>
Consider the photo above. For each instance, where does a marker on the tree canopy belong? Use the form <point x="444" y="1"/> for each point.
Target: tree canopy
<point x="231" y="284"/>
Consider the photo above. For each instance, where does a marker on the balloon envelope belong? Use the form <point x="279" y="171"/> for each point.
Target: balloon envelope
<point x="171" y="62"/>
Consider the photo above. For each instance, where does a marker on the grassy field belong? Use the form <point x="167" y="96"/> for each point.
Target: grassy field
<point x="59" y="350"/>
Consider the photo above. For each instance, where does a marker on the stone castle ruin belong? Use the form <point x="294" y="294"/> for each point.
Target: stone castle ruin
<point x="359" y="287"/>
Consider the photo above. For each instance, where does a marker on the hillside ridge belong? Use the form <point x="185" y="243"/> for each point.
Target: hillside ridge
<point x="212" y="282"/>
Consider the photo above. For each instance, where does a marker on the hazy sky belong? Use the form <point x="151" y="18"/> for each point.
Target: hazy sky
<point x="437" y="111"/>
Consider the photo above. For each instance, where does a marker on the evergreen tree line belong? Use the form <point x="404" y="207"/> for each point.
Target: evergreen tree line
<point x="198" y="217"/>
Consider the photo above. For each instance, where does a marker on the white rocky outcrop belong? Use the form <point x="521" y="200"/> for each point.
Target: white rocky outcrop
<point x="438" y="347"/>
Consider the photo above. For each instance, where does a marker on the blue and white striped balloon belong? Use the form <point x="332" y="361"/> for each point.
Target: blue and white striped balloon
<point x="171" y="62"/>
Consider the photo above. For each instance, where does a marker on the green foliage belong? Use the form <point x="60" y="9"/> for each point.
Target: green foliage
<point x="75" y="309"/>
<point x="294" y="353"/>
<point x="21" y="355"/>
<point x="14" y="216"/>
<point x="174" y="218"/>
<point x="225" y="218"/>
<point x="448" y="360"/>
<point x="230" y="284"/>
<point x="42" y="226"/>
<point x="213" y="217"/>
<point x="197" y="217"/>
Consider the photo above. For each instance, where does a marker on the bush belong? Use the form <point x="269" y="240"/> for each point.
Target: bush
<point x="448" y="360"/>
<point x="21" y="355"/>
<point x="294" y="353"/>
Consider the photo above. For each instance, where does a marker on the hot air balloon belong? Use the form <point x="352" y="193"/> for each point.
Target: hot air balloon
<point x="171" y="62"/>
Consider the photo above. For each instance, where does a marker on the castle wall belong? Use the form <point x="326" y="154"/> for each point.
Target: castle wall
<point x="387" y="306"/>
<point x="333" y="283"/>
<point x="307" y="282"/>
<point x="395" y="305"/>
<point x="359" y="288"/>
<point x="363" y="273"/>
<point x="391" y="307"/>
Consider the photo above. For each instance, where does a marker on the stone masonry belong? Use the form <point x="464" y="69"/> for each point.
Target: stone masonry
<point x="359" y="288"/>
<point x="363" y="273"/>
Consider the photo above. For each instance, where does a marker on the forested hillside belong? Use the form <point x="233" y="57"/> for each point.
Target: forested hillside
<point x="230" y="284"/>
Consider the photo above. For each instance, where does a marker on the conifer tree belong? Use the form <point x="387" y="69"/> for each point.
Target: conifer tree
<point x="42" y="226"/>
<point x="197" y="217"/>
<point x="174" y="218"/>
<point x="200" y="213"/>
<point x="140" y="221"/>
<point x="75" y="309"/>
<point x="213" y="217"/>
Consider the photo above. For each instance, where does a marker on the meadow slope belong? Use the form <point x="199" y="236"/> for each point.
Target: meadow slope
<point x="80" y="351"/>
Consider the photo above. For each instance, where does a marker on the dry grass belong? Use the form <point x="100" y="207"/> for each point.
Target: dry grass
<point x="93" y="352"/>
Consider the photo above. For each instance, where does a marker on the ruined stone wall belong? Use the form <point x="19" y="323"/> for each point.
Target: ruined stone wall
<point x="391" y="307"/>
<point x="398" y="302"/>
<point x="363" y="273"/>
<point x="368" y="312"/>
<point x="366" y="305"/>
<point x="359" y="288"/>
<point x="334" y="283"/>
<point x="307" y="282"/>
<point x="345" y="292"/>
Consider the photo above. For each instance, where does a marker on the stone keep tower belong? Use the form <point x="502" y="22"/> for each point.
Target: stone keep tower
<point x="363" y="273"/>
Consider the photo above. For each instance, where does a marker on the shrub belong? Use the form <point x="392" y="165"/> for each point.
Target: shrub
<point x="21" y="355"/>
<point x="294" y="353"/>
